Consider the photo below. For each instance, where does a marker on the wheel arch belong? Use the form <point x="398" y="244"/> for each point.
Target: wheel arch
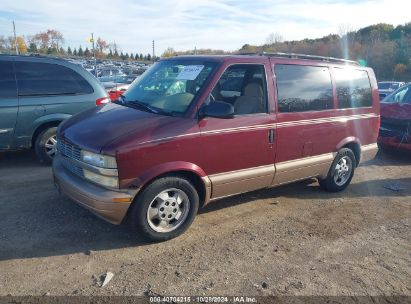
<point x="47" y="121"/>
<point x="354" y="144"/>
<point x="41" y="128"/>
<point x="188" y="171"/>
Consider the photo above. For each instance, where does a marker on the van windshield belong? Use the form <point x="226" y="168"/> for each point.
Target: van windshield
<point x="169" y="87"/>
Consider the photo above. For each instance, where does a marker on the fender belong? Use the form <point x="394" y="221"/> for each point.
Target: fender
<point x="49" y="118"/>
<point x="24" y="133"/>
<point x="145" y="177"/>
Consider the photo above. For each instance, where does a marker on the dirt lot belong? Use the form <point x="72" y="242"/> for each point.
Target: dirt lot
<point x="292" y="240"/>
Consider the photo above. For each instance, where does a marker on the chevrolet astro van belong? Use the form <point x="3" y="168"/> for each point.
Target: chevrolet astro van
<point x="194" y="129"/>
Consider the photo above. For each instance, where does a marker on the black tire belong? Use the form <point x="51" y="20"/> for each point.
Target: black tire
<point x="40" y="145"/>
<point x="138" y="215"/>
<point x="329" y="183"/>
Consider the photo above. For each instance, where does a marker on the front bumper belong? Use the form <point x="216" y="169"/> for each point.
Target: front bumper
<point x="98" y="200"/>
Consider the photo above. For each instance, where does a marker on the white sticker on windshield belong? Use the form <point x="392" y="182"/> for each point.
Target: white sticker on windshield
<point x="190" y="72"/>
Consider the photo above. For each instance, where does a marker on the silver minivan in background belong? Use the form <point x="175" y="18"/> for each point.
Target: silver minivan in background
<point x="36" y="94"/>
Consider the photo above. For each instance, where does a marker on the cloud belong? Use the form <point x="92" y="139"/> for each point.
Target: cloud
<point x="184" y="24"/>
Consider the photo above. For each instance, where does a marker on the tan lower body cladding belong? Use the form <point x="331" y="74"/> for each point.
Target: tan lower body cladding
<point x="230" y="183"/>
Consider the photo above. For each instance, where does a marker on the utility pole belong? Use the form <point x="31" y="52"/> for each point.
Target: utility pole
<point x="15" y="38"/>
<point x="154" y="58"/>
<point x="94" y="55"/>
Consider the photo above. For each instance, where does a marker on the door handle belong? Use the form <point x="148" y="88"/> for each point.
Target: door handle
<point x="271" y="136"/>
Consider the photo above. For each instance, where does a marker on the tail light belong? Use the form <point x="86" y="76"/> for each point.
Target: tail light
<point x="102" y="101"/>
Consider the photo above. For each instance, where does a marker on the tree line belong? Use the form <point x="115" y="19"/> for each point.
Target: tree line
<point x="385" y="48"/>
<point x="51" y="42"/>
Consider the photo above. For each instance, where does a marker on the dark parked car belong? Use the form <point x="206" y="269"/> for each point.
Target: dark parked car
<point x="387" y="87"/>
<point x="395" y="130"/>
<point x="36" y="94"/>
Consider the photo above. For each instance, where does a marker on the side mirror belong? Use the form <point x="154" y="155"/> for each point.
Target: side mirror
<point x="217" y="109"/>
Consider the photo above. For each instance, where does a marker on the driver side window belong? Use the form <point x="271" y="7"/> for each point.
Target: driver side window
<point x="245" y="87"/>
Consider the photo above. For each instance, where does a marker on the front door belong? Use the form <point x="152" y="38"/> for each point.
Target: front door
<point x="8" y="104"/>
<point x="239" y="152"/>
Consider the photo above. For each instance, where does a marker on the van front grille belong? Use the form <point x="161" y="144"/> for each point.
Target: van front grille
<point x="73" y="168"/>
<point x="68" y="150"/>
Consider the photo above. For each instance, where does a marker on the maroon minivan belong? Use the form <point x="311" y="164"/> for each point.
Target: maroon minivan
<point x="194" y="129"/>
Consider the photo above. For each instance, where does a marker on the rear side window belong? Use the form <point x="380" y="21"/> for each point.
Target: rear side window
<point x="303" y="88"/>
<point x="353" y="88"/>
<point x="7" y="80"/>
<point x="35" y="78"/>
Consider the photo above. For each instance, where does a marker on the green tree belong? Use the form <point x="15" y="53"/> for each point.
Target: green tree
<point x="87" y="52"/>
<point x="32" y="47"/>
<point x="80" y="51"/>
<point x="75" y="52"/>
<point x="69" y="52"/>
<point x="141" y="56"/>
<point x="148" y="57"/>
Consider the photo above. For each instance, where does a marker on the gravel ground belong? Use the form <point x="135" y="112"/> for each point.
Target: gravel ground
<point x="291" y="240"/>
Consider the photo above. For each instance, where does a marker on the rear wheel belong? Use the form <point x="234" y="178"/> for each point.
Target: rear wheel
<point x="164" y="209"/>
<point x="46" y="145"/>
<point x="341" y="171"/>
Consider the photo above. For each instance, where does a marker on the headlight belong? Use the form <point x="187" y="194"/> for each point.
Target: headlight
<point x="102" y="161"/>
<point x="108" y="181"/>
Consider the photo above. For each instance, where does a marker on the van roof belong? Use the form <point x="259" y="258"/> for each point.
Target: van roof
<point x="275" y="55"/>
<point x="33" y="56"/>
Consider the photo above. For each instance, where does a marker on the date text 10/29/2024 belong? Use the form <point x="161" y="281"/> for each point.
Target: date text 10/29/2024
<point x="202" y="299"/>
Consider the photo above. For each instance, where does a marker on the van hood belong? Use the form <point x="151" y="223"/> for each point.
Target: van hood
<point x="95" y="128"/>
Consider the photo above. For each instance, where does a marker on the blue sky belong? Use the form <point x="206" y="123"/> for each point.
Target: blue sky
<point x="183" y="24"/>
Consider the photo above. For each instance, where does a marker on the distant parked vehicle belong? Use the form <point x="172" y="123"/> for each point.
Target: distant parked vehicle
<point x="36" y="94"/>
<point x="387" y="87"/>
<point x="110" y="74"/>
<point x="395" y="130"/>
<point x="115" y="92"/>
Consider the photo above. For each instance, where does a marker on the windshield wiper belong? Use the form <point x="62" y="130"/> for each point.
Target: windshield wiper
<point x="142" y="106"/>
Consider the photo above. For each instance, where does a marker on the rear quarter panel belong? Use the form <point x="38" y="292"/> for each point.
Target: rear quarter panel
<point x="305" y="134"/>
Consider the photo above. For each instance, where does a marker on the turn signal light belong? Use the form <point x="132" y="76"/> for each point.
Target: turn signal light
<point x="122" y="199"/>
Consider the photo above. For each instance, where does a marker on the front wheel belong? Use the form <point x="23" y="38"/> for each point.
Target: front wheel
<point x="341" y="171"/>
<point x="46" y="145"/>
<point x="164" y="209"/>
